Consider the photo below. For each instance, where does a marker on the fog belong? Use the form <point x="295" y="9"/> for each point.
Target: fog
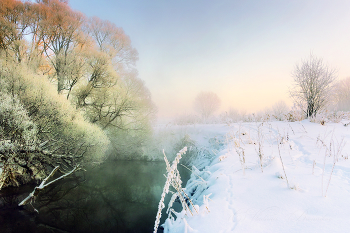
<point x="243" y="51"/>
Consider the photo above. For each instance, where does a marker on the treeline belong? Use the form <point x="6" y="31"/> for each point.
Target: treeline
<point x="69" y="90"/>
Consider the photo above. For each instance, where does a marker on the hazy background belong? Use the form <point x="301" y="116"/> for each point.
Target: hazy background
<point x="244" y="51"/>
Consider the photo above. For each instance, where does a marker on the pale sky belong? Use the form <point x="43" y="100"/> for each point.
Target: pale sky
<point x="244" y="51"/>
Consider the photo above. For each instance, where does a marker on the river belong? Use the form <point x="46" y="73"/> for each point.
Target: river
<point x="116" y="196"/>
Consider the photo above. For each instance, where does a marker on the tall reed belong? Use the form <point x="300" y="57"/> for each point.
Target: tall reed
<point x="174" y="180"/>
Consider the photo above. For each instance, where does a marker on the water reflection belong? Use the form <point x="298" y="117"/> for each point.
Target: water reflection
<point x="118" y="196"/>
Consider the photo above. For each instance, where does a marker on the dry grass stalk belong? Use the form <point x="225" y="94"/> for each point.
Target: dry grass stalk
<point x="193" y="172"/>
<point x="335" y="150"/>
<point x="236" y="145"/>
<point x="284" y="170"/>
<point x="260" y="147"/>
<point x="324" y="167"/>
<point x="324" y="160"/>
<point x="241" y="155"/>
<point x="206" y="201"/>
<point x="335" y="159"/>
<point x="291" y="128"/>
<point x="174" y="180"/>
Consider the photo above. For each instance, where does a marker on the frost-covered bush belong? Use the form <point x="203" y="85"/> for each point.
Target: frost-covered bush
<point x="16" y="128"/>
<point x="61" y="129"/>
<point x="17" y="133"/>
<point x="330" y="116"/>
<point x="40" y="129"/>
<point x="295" y="114"/>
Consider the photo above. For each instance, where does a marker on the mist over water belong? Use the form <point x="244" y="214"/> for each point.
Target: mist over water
<point x="117" y="196"/>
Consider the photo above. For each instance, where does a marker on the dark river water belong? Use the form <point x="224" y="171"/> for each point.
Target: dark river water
<point x="117" y="196"/>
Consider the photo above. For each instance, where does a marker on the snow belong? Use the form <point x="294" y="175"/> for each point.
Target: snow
<point x="258" y="199"/>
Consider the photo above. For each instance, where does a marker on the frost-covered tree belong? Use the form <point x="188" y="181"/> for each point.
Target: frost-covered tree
<point x="312" y="85"/>
<point x="112" y="40"/>
<point x="58" y="35"/>
<point x="15" y="19"/>
<point x="90" y="62"/>
<point x="40" y="129"/>
<point x="206" y="103"/>
<point x="17" y="133"/>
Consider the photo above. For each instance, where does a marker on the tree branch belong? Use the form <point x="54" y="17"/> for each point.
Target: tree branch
<point x="43" y="185"/>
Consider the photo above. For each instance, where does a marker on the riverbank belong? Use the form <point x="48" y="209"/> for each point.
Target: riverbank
<point x="272" y="177"/>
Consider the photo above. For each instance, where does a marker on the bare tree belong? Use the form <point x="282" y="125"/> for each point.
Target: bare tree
<point x="14" y="23"/>
<point x="113" y="41"/>
<point x="206" y="103"/>
<point x="58" y="35"/>
<point x="312" y="85"/>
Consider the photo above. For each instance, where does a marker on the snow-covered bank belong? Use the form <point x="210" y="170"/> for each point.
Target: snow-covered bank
<point x="302" y="185"/>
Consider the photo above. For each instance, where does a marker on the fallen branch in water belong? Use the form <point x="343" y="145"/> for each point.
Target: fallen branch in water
<point x="43" y="185"/>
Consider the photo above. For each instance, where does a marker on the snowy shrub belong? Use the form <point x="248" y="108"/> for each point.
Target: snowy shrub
<point x="338" y="116"/>
<point x="295" y="114"/>
<point x="327" y="116"/>
<point x="279" y="111"/>
<point x="233" y="115"/>
<point x="197" y="184"/>
<point x="16" y="128"/>
<point x="59" y="126"/>
<point x="39" y="128"/>
<point x="17" y="133"/>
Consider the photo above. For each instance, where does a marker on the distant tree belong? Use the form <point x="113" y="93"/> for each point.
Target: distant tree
<point x="342" y="94"/>
<point x="312" y="85"/>
<point x="280" y="110"/>
<point x="206" y="103"/>
<point x="234" y="115"/>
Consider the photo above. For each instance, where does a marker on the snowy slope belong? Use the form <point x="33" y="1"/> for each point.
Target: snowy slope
<point x="258" y="197"/>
